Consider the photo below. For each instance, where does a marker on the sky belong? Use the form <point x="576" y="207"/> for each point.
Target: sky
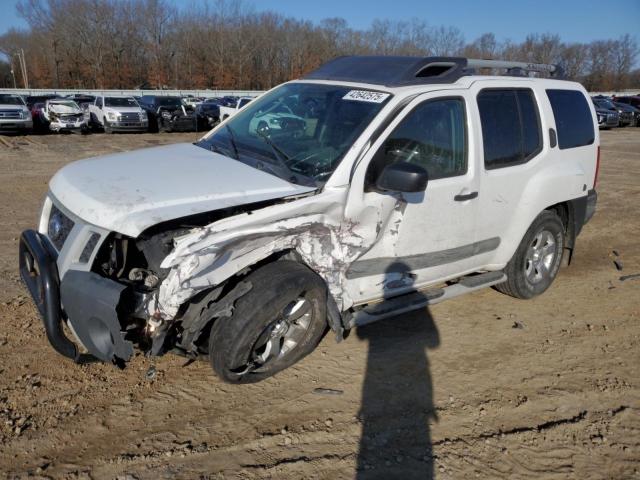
<point x="573" y="20"/>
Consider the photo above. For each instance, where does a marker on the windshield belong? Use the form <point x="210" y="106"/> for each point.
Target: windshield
<point x="169" y="102"/>
<point x="6" y="99"/>
<point x="299" y="131"/>
<point x="120" y="102"/>
<point x="606" y="104"/>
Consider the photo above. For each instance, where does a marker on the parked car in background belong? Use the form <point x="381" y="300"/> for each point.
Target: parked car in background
<point x="624" y="117"/>
<point x="168" y="114"/>
<point x="633" y="100"/>
<point x="228" y="100"/>
<point x="81" y="99"/>
<point x="629" y="110"/>
<point x="277" y="119"/>
<point x="31" y="100"/>
<point x="14" y="114"/>
<point x="117" y="114"/>
<point x="192" y="101"/>
<point x="208" y="113"/>
<point x="227" y="111"/>
<point x="62" y="115"/>
<point x="607" y="118"/>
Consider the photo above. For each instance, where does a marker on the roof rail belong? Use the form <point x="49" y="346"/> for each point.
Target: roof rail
<point x="516" y="68"/>
<point x="396" y="71"/>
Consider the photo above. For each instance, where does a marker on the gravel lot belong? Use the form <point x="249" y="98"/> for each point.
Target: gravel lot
<point x="484" y="386"/>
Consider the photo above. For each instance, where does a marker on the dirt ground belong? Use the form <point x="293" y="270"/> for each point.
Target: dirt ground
<point x="484" y="386"/>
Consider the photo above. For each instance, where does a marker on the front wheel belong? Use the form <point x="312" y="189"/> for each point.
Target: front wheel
<point x="537" y="260"/>
<point x="278" y="322"/>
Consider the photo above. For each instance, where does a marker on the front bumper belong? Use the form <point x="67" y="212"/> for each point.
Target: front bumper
<point x="40" y="274"/>
<point x="61" y="126"/>
<point x="87" y="301"/>
<point x="16" y="125"/>
<point x="129" y="126"/>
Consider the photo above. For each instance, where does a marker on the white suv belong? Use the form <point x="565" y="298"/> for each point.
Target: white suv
<point x="402" y="182"/>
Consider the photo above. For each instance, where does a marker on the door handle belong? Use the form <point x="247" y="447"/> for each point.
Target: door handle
<point x="463" y="197"/>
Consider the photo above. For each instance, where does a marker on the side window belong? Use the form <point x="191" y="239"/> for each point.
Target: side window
<point x="432" y="135"/>
<point x="99" y="101"/>
<point x="510" y="127"/>
<point x="573" y="118"/>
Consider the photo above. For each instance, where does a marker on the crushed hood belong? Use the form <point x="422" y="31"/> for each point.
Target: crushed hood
<point x="64" y="109"/>
<point x="132" y="191"/>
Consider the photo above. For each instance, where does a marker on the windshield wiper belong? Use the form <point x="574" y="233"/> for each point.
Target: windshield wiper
<point x="232" y="141"/>
<point x="281" y="157"/>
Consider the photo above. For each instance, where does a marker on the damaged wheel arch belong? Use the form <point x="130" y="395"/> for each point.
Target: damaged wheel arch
<point x="199" y="313"/>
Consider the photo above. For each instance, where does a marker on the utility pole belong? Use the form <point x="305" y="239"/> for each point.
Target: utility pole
<point x="22" y="72"/>
<point x="13" y="75"/>
<point x="26" y="75"/>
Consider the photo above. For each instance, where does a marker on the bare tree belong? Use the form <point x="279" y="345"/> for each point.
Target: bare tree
<point x="228" y="44"/>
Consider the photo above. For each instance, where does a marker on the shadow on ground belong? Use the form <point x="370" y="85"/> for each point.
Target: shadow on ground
<point x="397" y="397"/>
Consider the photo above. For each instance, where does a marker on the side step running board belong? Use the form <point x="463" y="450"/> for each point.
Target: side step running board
<point x="420" y="299"/>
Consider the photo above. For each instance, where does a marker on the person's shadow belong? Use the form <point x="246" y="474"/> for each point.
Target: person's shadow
<point x="397" y="396"/>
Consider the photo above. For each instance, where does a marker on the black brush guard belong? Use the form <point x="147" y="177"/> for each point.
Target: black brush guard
<point x="40" y="274"/>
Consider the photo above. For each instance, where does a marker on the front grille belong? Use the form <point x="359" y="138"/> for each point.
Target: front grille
<point x="59" y="227"/>
<point x="129" y="117"/>
<point x="71" y="117"/>
<point x="12" y="114"/>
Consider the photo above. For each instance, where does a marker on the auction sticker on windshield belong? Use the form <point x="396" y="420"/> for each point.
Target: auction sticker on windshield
<point x="366" y="96"/>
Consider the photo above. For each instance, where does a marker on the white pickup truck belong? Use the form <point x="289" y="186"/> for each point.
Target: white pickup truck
<point x="112" y="113"/>
<point x="226" y="112"/>
<point x="14" y="114"/>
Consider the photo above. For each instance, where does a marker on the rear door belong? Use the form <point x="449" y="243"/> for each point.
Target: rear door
<point x="512" y="151"/>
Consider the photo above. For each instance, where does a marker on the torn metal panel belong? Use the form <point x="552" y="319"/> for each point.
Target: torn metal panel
<point x="314" y="228"/>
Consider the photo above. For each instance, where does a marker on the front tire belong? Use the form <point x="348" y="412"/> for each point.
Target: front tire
<point x="278" y="322"/>
<point x="537" y="260"/>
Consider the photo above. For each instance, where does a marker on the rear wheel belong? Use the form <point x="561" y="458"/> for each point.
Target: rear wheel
<point x="537" y="260"/>
<point x="278" y="322"/>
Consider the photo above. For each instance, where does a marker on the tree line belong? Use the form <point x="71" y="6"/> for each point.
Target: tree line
<point x="227" y="44"/>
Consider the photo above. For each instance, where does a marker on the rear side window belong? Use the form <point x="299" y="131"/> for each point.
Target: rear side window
<point x="573" y="118"/>
<point x="510" y="126"/>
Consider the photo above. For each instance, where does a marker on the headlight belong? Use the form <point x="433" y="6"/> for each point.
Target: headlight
<point x="59" y="227"/>
<point x="143" y="115"/>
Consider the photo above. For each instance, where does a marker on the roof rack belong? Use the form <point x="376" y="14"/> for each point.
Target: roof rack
<point x="396" y="71"/>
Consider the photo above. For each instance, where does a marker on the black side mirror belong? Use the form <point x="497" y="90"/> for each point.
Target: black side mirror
<point x="403" y="177"/>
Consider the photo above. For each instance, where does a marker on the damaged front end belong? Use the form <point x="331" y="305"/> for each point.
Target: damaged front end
<point x="182" y="119"/>
<point x="118" y="296"/>
<point x="63" y="115"/>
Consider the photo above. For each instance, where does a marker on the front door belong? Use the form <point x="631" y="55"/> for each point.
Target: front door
<point x="429" y="236"/>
